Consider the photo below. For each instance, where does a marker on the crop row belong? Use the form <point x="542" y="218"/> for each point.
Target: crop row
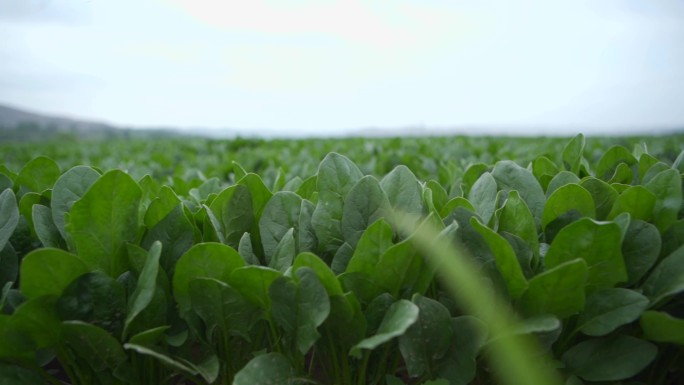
<point x="329" y="278"/>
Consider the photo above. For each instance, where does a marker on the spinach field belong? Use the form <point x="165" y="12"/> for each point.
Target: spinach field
<point x="436" y="261"/>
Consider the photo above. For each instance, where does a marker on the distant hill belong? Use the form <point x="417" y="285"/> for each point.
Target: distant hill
<point x="21" y="125"/>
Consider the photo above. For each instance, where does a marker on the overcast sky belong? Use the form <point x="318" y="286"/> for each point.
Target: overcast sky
<point x="324" y="66"/>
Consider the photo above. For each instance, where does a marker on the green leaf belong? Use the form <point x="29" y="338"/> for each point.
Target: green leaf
<point x="307" y="234"/>
<point x="506" y="260"/>
<point x="49" y="271"/>
<point x="472" y="174"/>
<point x="104" y="219"/>
<point x="322" y="270"/>
<point x="17" y="375"/>
<point x="667" y="278"/>
<point x="559" y="180"/>
<point x="365" y="203"/>
<point x="161" y="206"/>
<point x="609" y="359"/>
<point x="175" y="232"/>
<point x="373" y="243"/>
<point x="459" y="365"/>
<point x="69" y="188"/>
<point x="515" y="218"/>
<point x="253" y="282"/>
<point x="558" y="290"/>
<point x="9" y="268"/>
<point x="93" y="345"/>
<point x="204" y="260"/>
<point x="284" y="252"/>
<point x="147" y="282"/>
<point x="280" y="215"/>
<point x="38" y="318"/>
<point x="608" y="309"/>
<point x="662" y="327"/>
<point x="637" y="201"/>
<point x="95" y="298"/>
<point x="300" y="308"/>
<point x="640" y="249"/>
<point x="404" y="192"/>
<point x="39" y="174"/>
<point x="336" y="176"/>
<point x="428" y="339"/>
<point x="610" y="161"/>
<point x="667" y="187"/>
<point x="246" y="250"/>
<point x="598" y="244"/>
<point x="234" y="210"/>
<point x="572" y="153"/>
<point x="45" y="227"/>
<point x="483" y="196"/>
<point x="222" y="308"/>
<point x="570" y="197"/>
<point x="9" y="216"/>
<point x="603" y="194"/>
<point x="399" y="317"/>
<point x="208" y="368"/>
<point x="266" y="369"/>
<point x="509" y="176"/>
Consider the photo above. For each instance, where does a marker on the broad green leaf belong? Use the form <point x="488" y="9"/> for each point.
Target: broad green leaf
<point x="509" y="176"/>
<point x="204" y="260"/>
<point x="284" y="253"/>
<point x="9" y="216"/>
<point x="266" y="369"/>
<point x="307" y="234"/>
<point x="609" y="359"/>
<point x="472" y="174"/>
<point x="17" y="375"/>
<point x="49" y="271"/>
<point x="175" y="232"/>
<point x="399" y="317"/>
<point x="308" y="187"/>
<point x="322" y="270"/>
<point x="640" y="249"/>
<point x="69" y="188"/>
<point x="38" y="318"/>
<point x="341" y="258"/>
<point x="439" y="195"/>
<point x="459" y="366"/>
<point x="39" y="174"/>
<point x="559" y="180"/>
<point x="258" y="191"/>
<point x="611" y="159"/>
<point x="403" y="190"/>
<point x="454" y="204"/>
<point x="104" y="219"/>
<point x="515" y="218"/>
<point x="506" y="260"/>
<point x="365" y="203"/>
<point x="253" y="282"/>
<point x="246" y="250"/>
<point x="45" y="227"/>
<point x="667" y="187"/>
<point x="483" y="196"/>
<point x="558" y="290"/>
<point x="373" y="243"/>
<point x="95" y="298"/>
<point x="26" y="204"/>
<point x="238" y="170"/>
<point x="161" y="206"/>
<point x="572" y="153"/>
<point x="662" y="327"/>
<point x="637" y="201"/>
<point x="646" y="161"/>
<point x="393" y="267"/>
<point x="93" y="345"/>
<point x="280" y="215"/>
<point x="623" y="174"/>
<point x="234" y="210"/>
<point x="336" y="176"/>
<point x="667" y="278"/>
<point x="428" y="339"/>
<point x="144" y="291"/>
<point x="598" y="244"/>
<point x="543" y="168"/>
<point x="570" y="197"/>
<point x="603" y="194"/>
<point x="608" y="309"/>
<point x="222" y="308"/>
<point x="346" y="320"/>
<point x="300" y="307"/>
